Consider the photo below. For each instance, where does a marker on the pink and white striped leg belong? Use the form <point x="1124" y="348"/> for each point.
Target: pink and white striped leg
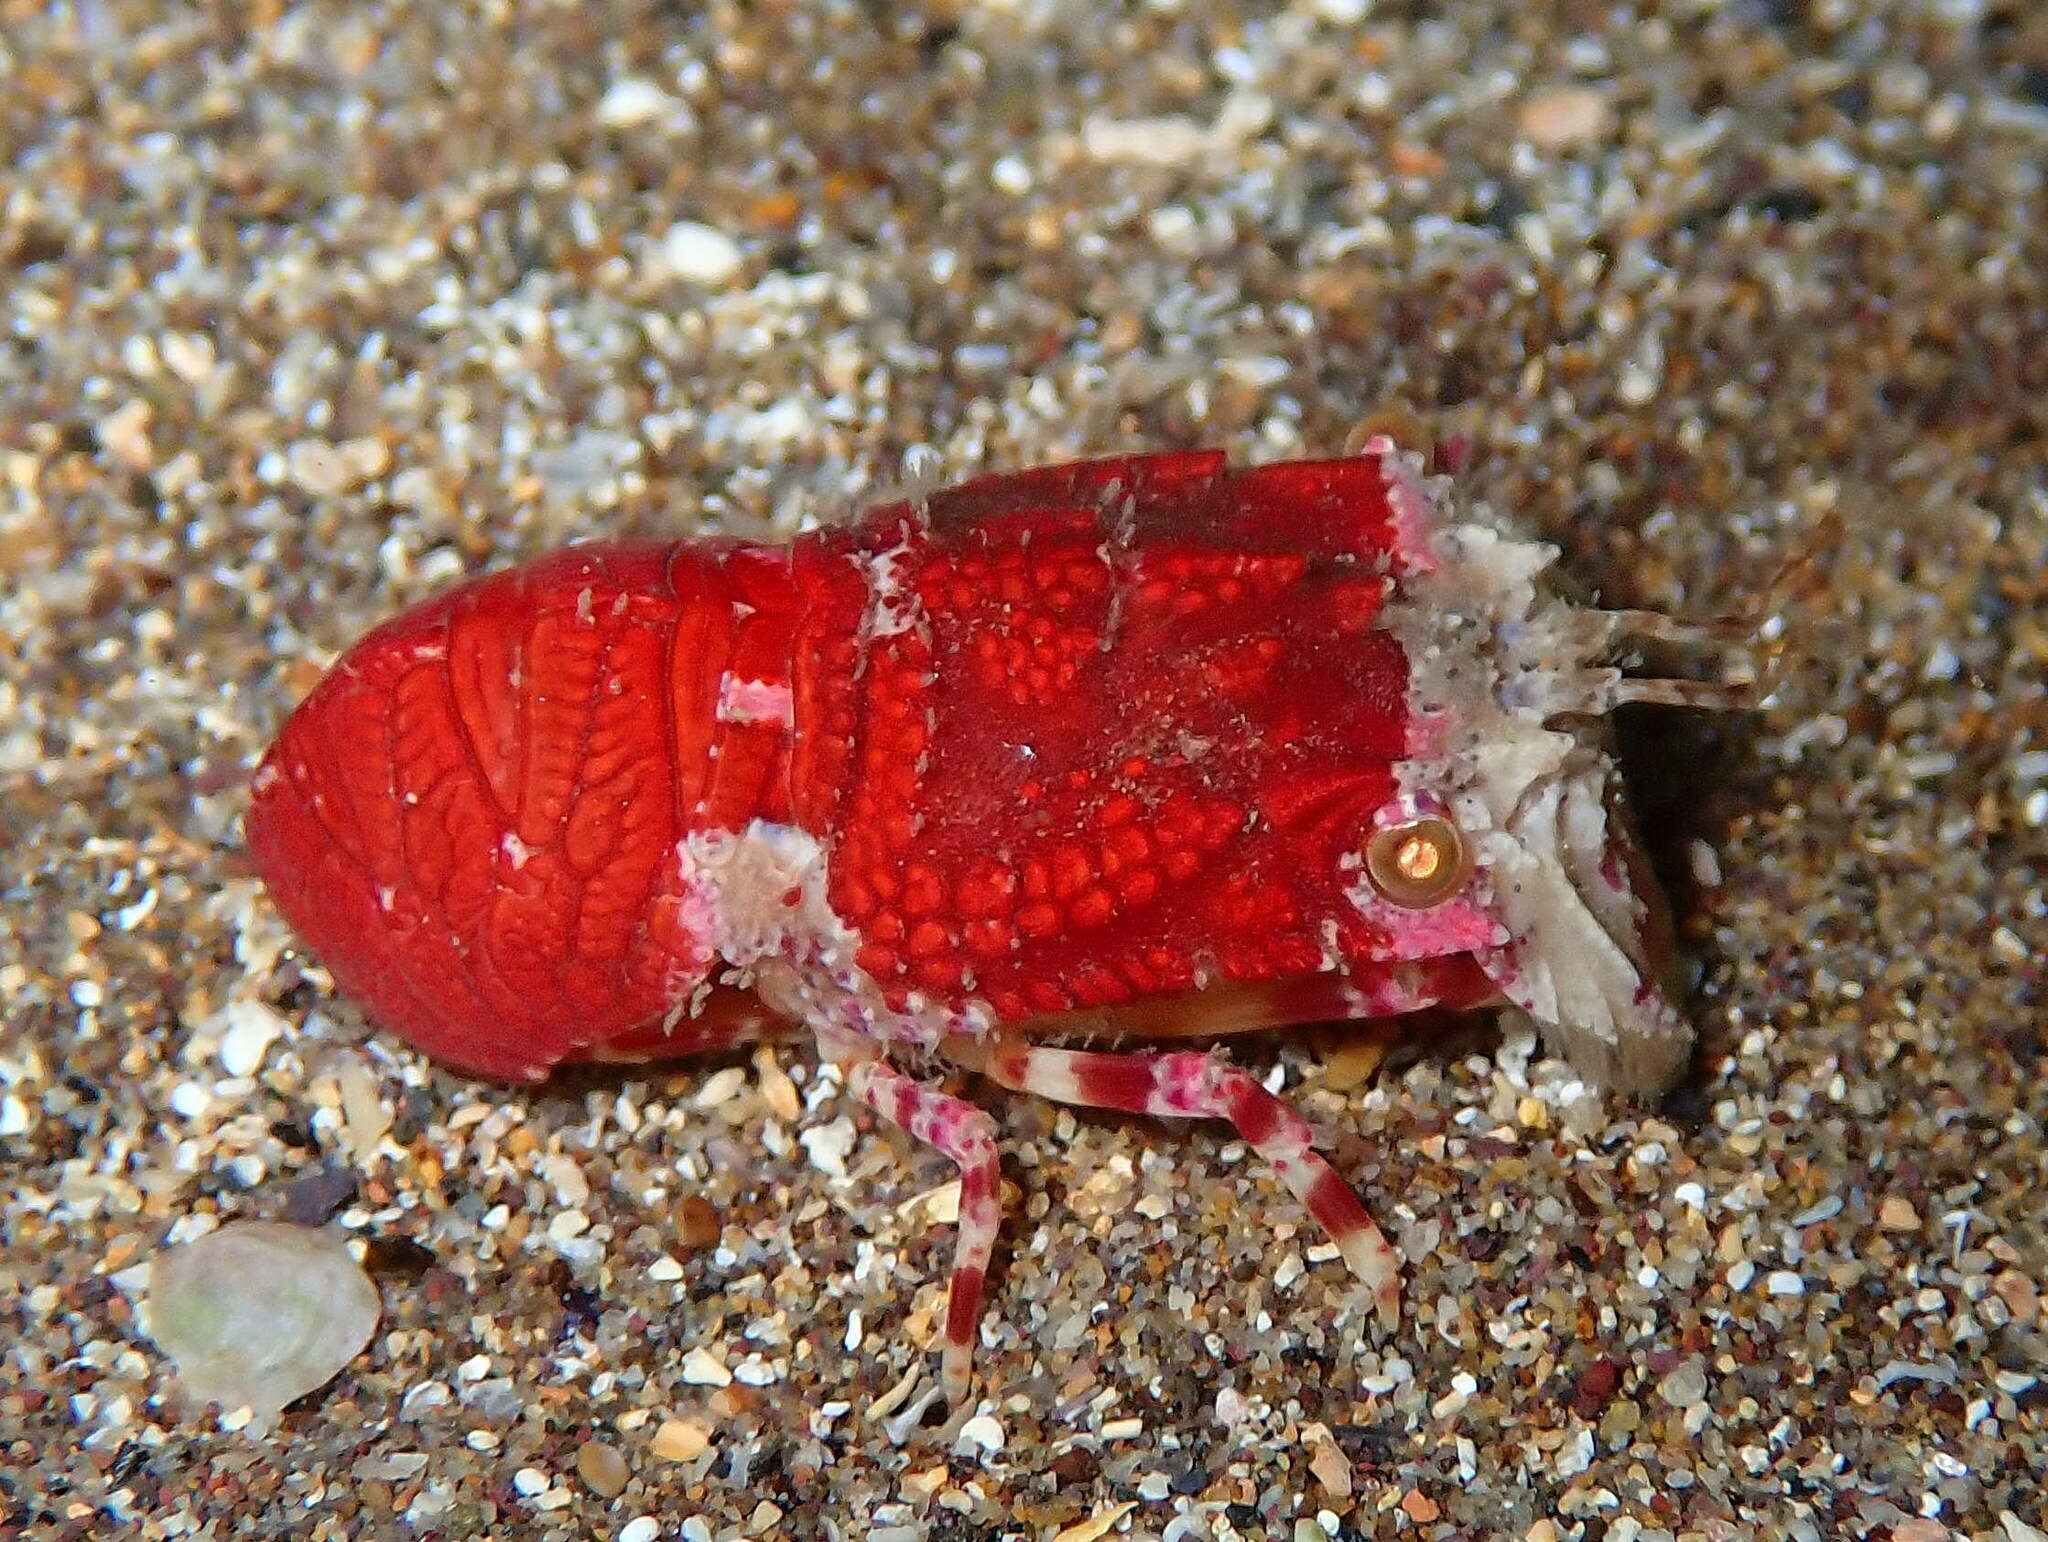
<point x="1189" y="1085"/>
<point x="967" y="1135"/>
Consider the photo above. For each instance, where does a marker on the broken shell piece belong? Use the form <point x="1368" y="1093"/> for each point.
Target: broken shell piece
<point x="259" y="1313"/>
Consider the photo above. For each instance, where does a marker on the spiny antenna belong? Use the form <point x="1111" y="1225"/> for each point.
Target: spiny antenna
<point x="1747" y="651"/>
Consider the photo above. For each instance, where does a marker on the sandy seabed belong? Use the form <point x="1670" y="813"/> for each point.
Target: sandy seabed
<point x="309" y="310"/>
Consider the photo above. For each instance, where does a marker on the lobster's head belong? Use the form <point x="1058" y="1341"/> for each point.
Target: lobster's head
<point x="1509" y="836"/>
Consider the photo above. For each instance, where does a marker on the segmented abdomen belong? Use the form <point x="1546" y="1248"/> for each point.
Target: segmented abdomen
<point x="473" y="819"/>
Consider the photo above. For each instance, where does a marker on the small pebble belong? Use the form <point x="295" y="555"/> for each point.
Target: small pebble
<point x="777" y="1090"/>
<point x="1565" y="118"/>
<point x="679" y="1440"/>
<point x="1685" y="1386"/>
<point x="251" y="1028"/>
<point x="631" y="101"/>
<point x="1096" y="1526"/>
<point x="366" y="1117"/>
<point x="696" y="1222"/>
<point x="699" y="254"/>
<point x="392" y="1467"/>
<point x="720" y="1088"/>
<point x="1354" y="1062"/>
<point x="829" y="1145"/>
<point x="1920" y="1529"/>
<point x="981" y="1433"/>
<point x="602" y="1467"/>
<point x="1331" y="1467"/>
<point x="189" y="1100"/>
<point x="701" y="1368"/>
<point x="1897" y="1214"/>
<point x="1420" y="1508"/>
<point x="313" y="1198"/>
<point x="326" y="470"/>
<point x="425" y="1398"/>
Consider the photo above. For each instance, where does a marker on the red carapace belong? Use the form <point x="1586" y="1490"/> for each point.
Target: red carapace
<point x="1118" y="753"/>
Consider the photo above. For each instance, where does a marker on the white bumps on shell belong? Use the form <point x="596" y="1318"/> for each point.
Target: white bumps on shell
<point x="259" y="1313"/>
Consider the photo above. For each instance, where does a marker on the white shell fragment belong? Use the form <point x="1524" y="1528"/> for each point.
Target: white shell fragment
<point x="259" y="1313"/>
<point x="699" y="253"/>
<point x="249" y="1029"/>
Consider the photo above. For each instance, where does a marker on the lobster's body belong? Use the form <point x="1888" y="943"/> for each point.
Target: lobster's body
<point x="1141" y="747"/>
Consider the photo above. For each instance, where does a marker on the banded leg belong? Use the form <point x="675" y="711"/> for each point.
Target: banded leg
<point x="967" y="1135"/>
<point x="1184" y="1084"/>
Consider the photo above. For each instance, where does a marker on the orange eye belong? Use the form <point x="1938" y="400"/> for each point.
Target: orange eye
<point x="1418" y="863"/>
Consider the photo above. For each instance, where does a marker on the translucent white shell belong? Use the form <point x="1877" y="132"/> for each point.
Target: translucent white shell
<point x="259" y="1313"/>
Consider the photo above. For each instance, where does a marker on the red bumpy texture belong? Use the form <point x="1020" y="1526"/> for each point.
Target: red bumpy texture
<point x="1079" y="738"/>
